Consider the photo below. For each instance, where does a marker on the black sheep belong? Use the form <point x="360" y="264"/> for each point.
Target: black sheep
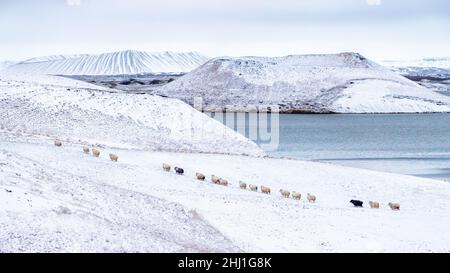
<point x="357" y="203"/>
<point x="179" y="170"/>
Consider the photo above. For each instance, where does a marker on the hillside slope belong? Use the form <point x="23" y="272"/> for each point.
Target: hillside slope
<point x="59" y="199"/>
<point x="123" y="62"/>
<point x="84" y="113"/>
<point x="341" y="83"/>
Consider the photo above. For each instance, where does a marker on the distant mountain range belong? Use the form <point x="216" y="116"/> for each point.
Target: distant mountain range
<point x="429" y="68"/>
<point x="123" y="62"/>
<point x="427" y="62"/>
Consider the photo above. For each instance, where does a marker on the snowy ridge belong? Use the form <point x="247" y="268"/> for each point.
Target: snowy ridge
<point x="53" y="58"/>
<point x="123" y="62"/>
<point x="84" y="113"/>
<point x="304" y="83"/>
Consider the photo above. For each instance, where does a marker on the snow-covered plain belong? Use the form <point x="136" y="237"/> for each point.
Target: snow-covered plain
<point x="340" y="83"/>
<point x="58" y="199"/>
<point x="122" y="62"/>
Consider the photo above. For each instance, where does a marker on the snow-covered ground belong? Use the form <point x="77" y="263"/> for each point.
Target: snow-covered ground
<point x="5" y="64"/>
<point x="68" y="109"/>
<point x="426" y="62"/>
<point x="60" y="199"/>
<point x="341" y="83"/>
<point x="122" y="62"/>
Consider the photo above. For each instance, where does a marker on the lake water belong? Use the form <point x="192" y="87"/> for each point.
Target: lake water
<point x="415" y="144"/>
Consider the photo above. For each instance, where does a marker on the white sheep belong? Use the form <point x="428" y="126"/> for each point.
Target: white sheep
<point x="113" y="157"/>
<point x="200" y="176"/>
<point x="285" y="193"/>
<point x="166" y="167"/>
<point x="394" y="206"/>
<point x="215" y="179"/>
<point x="253" y="187"/>
<point x="86" y="150"/>
<point x="242" y="185"/>
<point x="95" y="152"/>
<point x="223" y="182"/>
<point x="58" y="143"/>
<point x="296" y="195"/>
<point x="265" y="190"/>
<point x="374" y="204"/>
<point x="311" y="198"/>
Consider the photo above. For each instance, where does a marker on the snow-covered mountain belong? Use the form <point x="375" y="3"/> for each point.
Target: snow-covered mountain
<point x="123" y="62"/>
<point x="432" y="73"/>
<point x="342" y="83"/>
<point x="430" y="68"/>
<point x="427" y="62"/>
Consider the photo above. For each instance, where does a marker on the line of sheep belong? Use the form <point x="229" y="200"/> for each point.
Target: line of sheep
<point x="266" y="190"/>
<point x="220" y="181"/>
<point x="95" y="152"/>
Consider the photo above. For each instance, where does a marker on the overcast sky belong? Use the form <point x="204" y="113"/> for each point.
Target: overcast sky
<point x="379" y="29"/>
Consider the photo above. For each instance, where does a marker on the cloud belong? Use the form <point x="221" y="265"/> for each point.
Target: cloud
<point x="73" y="2"/>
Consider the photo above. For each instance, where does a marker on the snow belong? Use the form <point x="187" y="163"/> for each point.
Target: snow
<point x="6" y="64"/>
<point x="122" y="62"/>
<point x="64" y="200"/>
<point x="68" y="109"/>
<point x="302" y="83"/>
<point x="427" y="62"/>
<point x="58" y="199"/>
<point x="390" y="97"/>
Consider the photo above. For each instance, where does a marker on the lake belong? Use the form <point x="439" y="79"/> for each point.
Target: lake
<point x="414" y="144"/>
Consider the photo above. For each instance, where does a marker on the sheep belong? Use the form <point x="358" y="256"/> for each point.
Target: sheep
<point x="242" y="185"/>
<point x="179" y="171"/>
<point x="374" y="204"/>
<point x="86" y="150"/>
<point x="253" y="187"/>
<point x="58" y="143"/>
<point x="285" y="193"/>
<point x="357" y="203"/>
<point x="166" y="167"/>
<point x="296" y="195"/>
<point x="394" y="206"/>
<point x="200" y="176"/>
<point x="215" y="179"/>
<point x="113" y="157"/>
<point x="265" y="190"/>
<point x="311" y="198"/>
<point x="95" y="152"/>
<point x="223" y="182"/>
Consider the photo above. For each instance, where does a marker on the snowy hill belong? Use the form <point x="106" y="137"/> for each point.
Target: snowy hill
<point x="342" y="83"/>
<point x="79" y="112"/>
<point x="123" y="62"/>
<point x="6" y="64"/>
<point x="57" y="199"/>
